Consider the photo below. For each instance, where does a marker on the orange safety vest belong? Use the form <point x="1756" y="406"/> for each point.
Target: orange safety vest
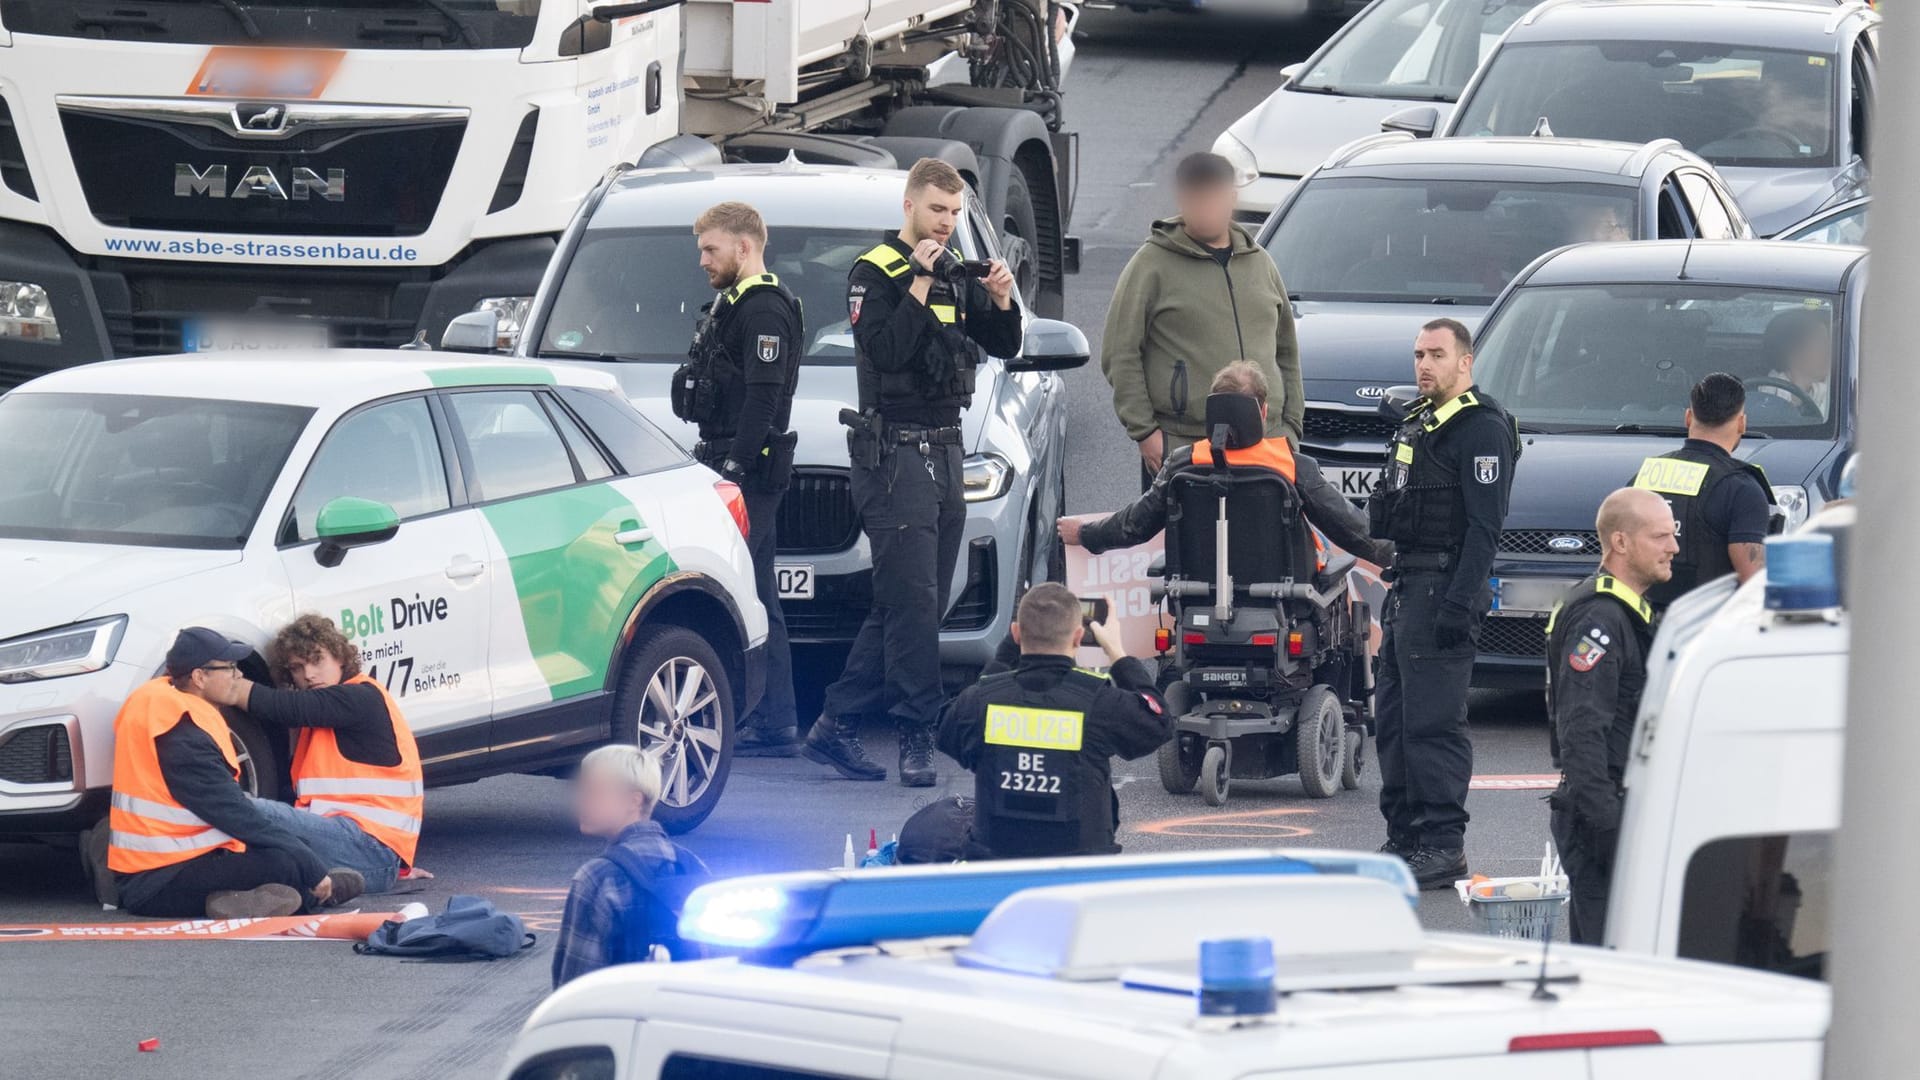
<point x="1273" y="454"/>
<point x="148" y="828"/>
<point x="385" y="800"/>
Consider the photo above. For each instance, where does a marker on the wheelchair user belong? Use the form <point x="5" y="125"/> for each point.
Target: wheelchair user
<point x="1326" y="508"/>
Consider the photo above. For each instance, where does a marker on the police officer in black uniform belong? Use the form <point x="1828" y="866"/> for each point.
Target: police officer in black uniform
<point x="1724" y="506"/>
<point x="1597" y="646"/>
<point x="920" y="318"/>
<point x="1041" y="737"/>
<point x="738" y="387"/>
<point x="1441" y="499"/>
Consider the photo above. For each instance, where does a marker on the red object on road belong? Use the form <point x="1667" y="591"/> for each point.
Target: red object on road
<point x="149" y="1046"/>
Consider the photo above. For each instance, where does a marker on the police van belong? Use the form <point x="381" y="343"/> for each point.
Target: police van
<point x="1257" y="963"/>
<point x="525" y="563"/>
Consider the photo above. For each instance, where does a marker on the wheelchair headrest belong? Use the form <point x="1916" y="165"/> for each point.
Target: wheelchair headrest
<point x="1240" y="415"/>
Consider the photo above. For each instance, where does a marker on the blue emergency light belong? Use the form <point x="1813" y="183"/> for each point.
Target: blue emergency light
<point x="776" y="917"/>
<point x="1236" y="977"/>
<point x="1800" y="573"/>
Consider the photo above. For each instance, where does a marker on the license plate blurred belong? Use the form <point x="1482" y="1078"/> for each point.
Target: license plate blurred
<point x="1528" y="596"/>
<point x="793" y="582"/>
<point x="1354" y="483"/>
<point x="247" y="335"/>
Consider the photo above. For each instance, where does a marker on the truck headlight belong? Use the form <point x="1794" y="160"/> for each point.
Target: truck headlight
<point x="1245" y="168"/>
<point x="70" y="650"/>
<point x="1793" y="502"/>
<point x="984" y="477"/>
<point x="26" y="313"/>
<point x="512" y="313"/>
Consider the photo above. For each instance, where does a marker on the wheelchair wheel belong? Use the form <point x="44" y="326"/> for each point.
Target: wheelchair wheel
<point x="1213" y="774"/>
<point x="1356" y="759"/>
<point x="1320" y="742"/>
<point x="1176" y="775"/>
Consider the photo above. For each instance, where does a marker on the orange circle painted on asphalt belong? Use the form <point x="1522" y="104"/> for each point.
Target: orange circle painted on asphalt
<point x="1242" y="825"/>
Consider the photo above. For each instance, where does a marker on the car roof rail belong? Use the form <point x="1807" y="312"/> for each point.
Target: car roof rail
<point x="1638" y="161"/>
<point x="1344" y="155"/>
<point x="1541" y="9"/>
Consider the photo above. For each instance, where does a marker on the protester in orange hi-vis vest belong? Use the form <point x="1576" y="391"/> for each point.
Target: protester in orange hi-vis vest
<point x="356" y="772"/>
<point x="185" y="839"/>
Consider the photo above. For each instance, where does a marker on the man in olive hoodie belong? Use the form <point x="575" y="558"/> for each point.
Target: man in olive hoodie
<point x="1198" y="295"/>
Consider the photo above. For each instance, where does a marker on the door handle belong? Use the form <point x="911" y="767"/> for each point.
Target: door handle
<point x="466" y="568"/>
<point x="633" y="536"/>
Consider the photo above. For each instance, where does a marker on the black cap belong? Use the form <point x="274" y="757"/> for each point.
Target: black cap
<point x="197" y="646"/>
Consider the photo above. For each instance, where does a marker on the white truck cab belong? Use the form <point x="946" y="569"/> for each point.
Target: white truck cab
<point x="1093" y="968"/>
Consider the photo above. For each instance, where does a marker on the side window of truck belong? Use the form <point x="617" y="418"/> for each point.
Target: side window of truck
<point x="571" y="1063"/>
<point x="691" y="1067"/>
<point x="1760" y="902"/>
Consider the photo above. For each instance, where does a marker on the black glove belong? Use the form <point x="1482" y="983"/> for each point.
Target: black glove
<point x="1454" y="626"/>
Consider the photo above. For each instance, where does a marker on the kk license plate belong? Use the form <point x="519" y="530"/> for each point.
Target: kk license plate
<point x="1354" y="483"/>
<point x="1528" y="596"/>
<point x="793" y="581"/>
<point x="246" y="335"/>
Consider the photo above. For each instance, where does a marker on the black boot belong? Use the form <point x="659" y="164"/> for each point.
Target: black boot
<point x="836" y="743"/>
<point x="1399" y="844"/>
<point x="916" y="756"/>
<point x="767" y="742"/>
<point x="1437" y="868"/>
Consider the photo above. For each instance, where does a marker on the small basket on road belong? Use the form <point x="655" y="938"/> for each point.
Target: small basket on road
<point x="1522" y="908"/>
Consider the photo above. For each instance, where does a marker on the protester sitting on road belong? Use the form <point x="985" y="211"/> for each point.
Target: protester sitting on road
<point x="1325" y="507"/>
<point x="186" y="840"/>
<point x="358" y="790"/>
<point x="1041" y="737"/>
<point x="625" y="901"/>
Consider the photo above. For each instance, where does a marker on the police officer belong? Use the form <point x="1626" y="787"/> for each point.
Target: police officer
<point x="1596" y="669"/>
<point x="1041" y="738"/>
<point x="1724" y="506"/>
<point x="738" y="387"/>
<point x="1441" y="499"/>
<point x="920" y="317"/>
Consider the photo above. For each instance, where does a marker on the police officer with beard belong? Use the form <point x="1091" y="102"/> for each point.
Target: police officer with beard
<point x="738" y="387"/>
<point x="920" y="317"/>
<point x="1041" y="737"/>
<point x="1441" y="499"/>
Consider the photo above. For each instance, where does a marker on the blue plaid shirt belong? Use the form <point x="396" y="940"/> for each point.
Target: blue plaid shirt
<point x="597" y="903"/>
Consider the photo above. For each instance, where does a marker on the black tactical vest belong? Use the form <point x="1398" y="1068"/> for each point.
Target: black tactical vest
<point x="1040" y="792"/>
<point x="1569" y="620"/>
<point x="1418" y="504"/>
<point x="944" y="375"/>
<point x="709" y="388"/>
<point x="1684" y="478"/>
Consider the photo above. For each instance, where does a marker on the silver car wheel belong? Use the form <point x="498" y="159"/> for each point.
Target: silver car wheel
<point x="680" y="721"/>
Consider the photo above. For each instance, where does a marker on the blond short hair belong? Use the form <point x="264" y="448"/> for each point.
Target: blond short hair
<point x="932" y="172"/>
<point x="1048" y="615"/>
<point x="1241" y="377"/>
<point x="735" y="217"/>
<point x="632" y="766"/>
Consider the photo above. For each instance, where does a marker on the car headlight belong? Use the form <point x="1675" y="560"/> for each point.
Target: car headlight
<point x="1245" y="168"/>
<point x="1793" y="501"/>
<point x="26" y="313"/>
<point x="984" y="477"/>
<point x="512" y="313"/>
<point x="70" y="650"/>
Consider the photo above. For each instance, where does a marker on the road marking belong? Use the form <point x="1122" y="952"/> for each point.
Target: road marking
<point x="1245" y="825"/>
<point x="1516" y="782"/>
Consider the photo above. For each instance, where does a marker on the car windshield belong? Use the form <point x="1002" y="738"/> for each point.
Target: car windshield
<point x="1846" y="227"/>
<point x="636" y="294"/>
<point x="1623" y="358"/>
<point x="149" y="471"/>
<point x="1423" y="50"/>
<point x="1735" y="107"/>
<point x="1434" y="241"/>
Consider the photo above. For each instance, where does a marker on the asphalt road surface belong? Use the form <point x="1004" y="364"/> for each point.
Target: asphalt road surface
<point x="1145" y="90"/>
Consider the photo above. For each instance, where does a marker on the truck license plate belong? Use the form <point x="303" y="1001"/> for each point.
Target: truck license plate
<point x="793" y="581"/>
<point x="1528" y="596"/>
<point x="251" y="335"/>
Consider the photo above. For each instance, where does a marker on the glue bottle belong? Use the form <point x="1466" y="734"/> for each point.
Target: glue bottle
<point x="846" y="854"/>
<point x="873" y="842"/>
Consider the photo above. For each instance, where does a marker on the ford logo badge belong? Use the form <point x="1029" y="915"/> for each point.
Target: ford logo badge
<point x="1370" y="393"/>
<point x="1565" y="545"/>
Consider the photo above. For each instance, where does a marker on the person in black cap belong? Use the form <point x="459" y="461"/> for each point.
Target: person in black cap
<point x="185" y="840"/>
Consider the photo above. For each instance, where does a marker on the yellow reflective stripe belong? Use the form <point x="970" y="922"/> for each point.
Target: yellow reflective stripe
<point x="1403" y="453"/>
<point x="1554" y="615"/>
<point x="943" y="312"/>
<point x="1612" y="587"/>
<point x="890" y="262"/>
<point x="1448" y="411"/>
<point x="321" y="785"/>
<point x="206" y="838"/>
<point x="147" y="808"/>
<point x="1101" y="675"/>
<point x="754" y="282"/>
<point x="1041" y="729"/>
<point x="1671" y="476"/>
<point x="392" y="819"/>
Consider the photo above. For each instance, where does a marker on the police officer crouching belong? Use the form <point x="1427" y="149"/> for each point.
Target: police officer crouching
<point x="1597" y="644"/>
<point x="1041" y="737"/>
<point x="738" y="387"/>
<point x="1441" y="499"/>
<point x="920" y="318"/>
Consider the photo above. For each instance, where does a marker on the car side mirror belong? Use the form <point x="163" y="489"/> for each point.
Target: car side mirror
<point x="1398" y="401"/>
<point x="1051" y="345"/>
<point x="473" y="332"/>
<point x="1420" y="121"/>
<point x="347" y="523"/>
<point x="1290" y="73"/>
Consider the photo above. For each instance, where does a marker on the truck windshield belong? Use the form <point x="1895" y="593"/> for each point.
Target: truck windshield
<point x="147" y="471"/>
<point x="635" y="294"/>
<point x="1623" y="358"/>
<point x="1770" y="108"/>
<point x="355" y="24"/>
<point x="1420" y="50"/>
<point x="1434" y="241"/>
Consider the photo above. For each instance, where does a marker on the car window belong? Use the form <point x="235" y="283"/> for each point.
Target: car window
<point x="388" y="453"/>
<point x="1422" y="50"/>
<point x="514" y="448"/>
<point x="1607" y="358"/>
<point x="593" y="464"/>
<point x="1675" y="221"/>
<point x="1705" y="204"/>
<point x="692" y="1067"/>
<point x="637" y="446"/>
<point x="129" y="469"/>
<point x="1366" y="238"/>
<point x="1849" y="227"/>
<point x="1760" y="902"/>
<point x="571" y="1063"/>
<point x="1860" y="98"/>
<point x="1733" y="106"/>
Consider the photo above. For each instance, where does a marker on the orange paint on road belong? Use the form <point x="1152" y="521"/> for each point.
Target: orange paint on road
<point x="347" y="926"/>
<point x="1516" y="782"/>
<point x="1243" y="825"/>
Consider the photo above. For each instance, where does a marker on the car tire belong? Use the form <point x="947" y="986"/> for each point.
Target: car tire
<point x="259" y="754"/>
<point x="696" y="747"/>
<point x="1320" y="742"/>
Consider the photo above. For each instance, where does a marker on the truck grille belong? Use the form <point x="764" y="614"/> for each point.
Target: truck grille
<point x="370" y="308"/>
<point x="1540" y="541"/>
<point x="817" y="515"/>
<point x="1341" y="424"/>
<point x="37" y="755"/>
<point x="1514" y="635"/>
<point x="13" y="159"/>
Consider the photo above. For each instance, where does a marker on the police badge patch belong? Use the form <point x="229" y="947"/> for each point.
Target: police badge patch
<point x="1486" y="469"/>
<point x="769" y="348"/>
<point x="853" y="309"/>
<point x="1589" y="650"/>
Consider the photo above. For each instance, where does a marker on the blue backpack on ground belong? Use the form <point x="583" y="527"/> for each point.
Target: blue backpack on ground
<point x="654" y="918"/>
<point x="470" y="929"/>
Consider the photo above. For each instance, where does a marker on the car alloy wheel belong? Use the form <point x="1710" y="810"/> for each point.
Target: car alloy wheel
<point x="681" y="721"/>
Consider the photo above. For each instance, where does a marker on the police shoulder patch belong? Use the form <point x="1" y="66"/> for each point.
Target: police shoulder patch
<point x="1486" y="469"/>
<point x="1589" y="650"/>
<point x="1153" y="703"/>
<point x="853" y="304"/>
<point x="769" y="348"/>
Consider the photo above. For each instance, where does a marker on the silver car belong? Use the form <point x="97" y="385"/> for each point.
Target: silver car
<point x="623" y="293"/>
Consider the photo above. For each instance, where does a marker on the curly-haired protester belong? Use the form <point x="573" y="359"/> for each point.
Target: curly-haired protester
<point x="356" y="773"/>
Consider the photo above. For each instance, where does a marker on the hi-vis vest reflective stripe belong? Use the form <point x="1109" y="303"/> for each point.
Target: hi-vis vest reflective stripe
<point x="1671" y="476"/>
<point x="148" y="829"/>
<point x="386" y="801"/>
<point x="740" y="288"/>
<point x="1608" y="585"/>
<point x="893" y="264"/>
<point x="1431" y="420"/>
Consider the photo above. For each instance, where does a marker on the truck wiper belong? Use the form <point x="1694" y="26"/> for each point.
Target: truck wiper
<point x="233" y="8"/>
<point x="453" y="18"/>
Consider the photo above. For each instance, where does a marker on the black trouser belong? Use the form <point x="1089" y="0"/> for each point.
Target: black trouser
<point x="184" y="895"/>
<point x="1420" y="709"/>
<point x="1587" y="856"/>
<point x="911" y="510"/>
<point x="776" y="708"/>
